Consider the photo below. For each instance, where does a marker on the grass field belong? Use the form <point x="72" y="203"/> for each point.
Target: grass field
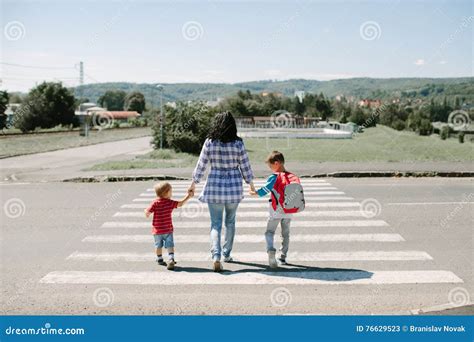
<point x="153" y="160"/>
<point x="381" y="144"/>
<point x="34" y="143"/>
<point x="375" y="144"/>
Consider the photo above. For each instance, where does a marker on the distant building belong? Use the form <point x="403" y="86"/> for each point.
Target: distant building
<point x="10" y="113"/>
<point x="90" y="109"/>
<point x="120" y="116"/>
<point x="370" y="103"/>
<point x="268" y="93"/>
<point x="300" y="94"/>
<point x="213" y="103"/>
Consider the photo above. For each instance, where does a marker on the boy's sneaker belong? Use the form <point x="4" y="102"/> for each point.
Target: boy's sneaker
<point x="228" y="259"/>
<point x="271" y="259"/>
<point x="171" y="264"/>
<point x="217" y="266"/>
<point x="282" y="260"/>
<point x="161" y="262"/>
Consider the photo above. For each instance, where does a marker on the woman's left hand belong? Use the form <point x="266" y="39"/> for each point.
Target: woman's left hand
<point x="192" y="187"/>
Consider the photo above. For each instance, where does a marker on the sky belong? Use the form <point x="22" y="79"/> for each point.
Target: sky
<point x="232" y="41"/>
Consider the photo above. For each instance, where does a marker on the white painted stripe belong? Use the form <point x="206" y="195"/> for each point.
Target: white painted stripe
<point x="430" y="203"/>
<point x="204" y="213"/>
<point x="306" y="188"/>
<point x="249" y="238"/>
<point x="252" y="278"/>
<point x="151" y="194"/>
<point x="264" y="204"/>
<point x="305" y="183"/>
<point x="252" y="224"/>
<point x="23" y="183"/>
<point x="261" y="256"/>
<point x="308" y="199"/>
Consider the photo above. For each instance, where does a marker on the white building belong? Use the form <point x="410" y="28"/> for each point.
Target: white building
<point x="300" y="94"/>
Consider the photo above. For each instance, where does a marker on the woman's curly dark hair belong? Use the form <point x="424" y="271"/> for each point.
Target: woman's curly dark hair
<point x="224" y="128"/>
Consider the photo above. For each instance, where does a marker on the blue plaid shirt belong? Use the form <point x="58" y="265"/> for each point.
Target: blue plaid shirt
<point x="229" y="164"/>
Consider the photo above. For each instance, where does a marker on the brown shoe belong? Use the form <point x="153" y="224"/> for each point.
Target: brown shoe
<point x="171" y="264"/>
<point x="218" y="266"/>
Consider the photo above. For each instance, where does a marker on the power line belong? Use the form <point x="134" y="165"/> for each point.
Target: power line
<point x="37" y="78"/>
<point x="33" y="66"/>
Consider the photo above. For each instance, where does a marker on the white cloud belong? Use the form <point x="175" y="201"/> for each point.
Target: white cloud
<point x="273" y="72"/>
<point x="420" y="62"/>
<point x="443" y="62"/>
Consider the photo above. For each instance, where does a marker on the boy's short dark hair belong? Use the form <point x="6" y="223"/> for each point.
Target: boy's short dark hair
<point x="275" y="156"/>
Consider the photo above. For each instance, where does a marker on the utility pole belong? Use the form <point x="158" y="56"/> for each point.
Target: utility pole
<point x="160" y="89"/>
<point x="81" y="73"/>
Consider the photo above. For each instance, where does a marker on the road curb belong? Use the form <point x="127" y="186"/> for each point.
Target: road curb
<point x="344" y="174"/>
<point x="370" y="174"/>
<point x="444" y="309"/>
<point x="100" y="179"/>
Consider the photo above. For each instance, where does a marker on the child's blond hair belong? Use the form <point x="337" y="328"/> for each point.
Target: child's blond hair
<point x="162" y="188"/>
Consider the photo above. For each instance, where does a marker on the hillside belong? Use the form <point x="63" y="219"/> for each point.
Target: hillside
<point x="357" y="87"/>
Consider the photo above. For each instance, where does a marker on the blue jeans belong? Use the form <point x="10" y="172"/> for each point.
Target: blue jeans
<point x="216" y="210"/>
<point x="163" y="240"/>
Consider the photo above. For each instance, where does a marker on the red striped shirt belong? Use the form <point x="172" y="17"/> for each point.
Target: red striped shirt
<point x="162" y="209"/>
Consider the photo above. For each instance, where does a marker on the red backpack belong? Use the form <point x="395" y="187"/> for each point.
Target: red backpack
<point x="288" y="193"/>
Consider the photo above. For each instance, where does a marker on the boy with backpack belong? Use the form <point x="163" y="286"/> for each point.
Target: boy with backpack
<point x="286" y="198"/>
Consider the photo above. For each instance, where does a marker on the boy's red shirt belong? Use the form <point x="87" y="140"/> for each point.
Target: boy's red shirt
<point x="162" y="220"/>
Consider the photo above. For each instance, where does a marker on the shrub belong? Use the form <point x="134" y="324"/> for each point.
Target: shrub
<point x="398" y="124"/>
<point x="425" y="127"/>
<point x="444" y="133"/>
<point x="185" y="127"/>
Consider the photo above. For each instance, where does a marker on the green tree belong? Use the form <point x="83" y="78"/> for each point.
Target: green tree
<point x="47" y="105"/>
<point x="358" y="117"/>
<point x="298" y="107"/>
<point x="135" y="101"/>
<point x="186" y="127"/>
<point x="113" y="100"/>
<point x="15" y="98"/>
<point x="4" y="97"/>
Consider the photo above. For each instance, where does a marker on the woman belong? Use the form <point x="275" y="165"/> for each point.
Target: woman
<point x="226" y="154"/>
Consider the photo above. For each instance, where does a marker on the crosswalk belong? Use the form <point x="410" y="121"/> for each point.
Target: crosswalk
<point x="334" y="229"/>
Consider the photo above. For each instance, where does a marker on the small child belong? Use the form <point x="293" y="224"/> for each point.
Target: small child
<point x="162" y="230"/>
<point x="276" y="163"/>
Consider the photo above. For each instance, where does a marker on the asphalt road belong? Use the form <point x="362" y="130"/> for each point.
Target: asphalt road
<point x="68" y="163"/>
<point x="362" y="246"/>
